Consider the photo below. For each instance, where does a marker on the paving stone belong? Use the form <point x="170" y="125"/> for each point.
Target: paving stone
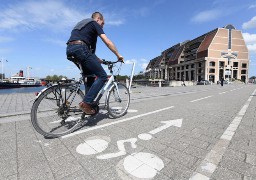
<point x="64" y="166"/>
<point x="236" y="166"/>
<point x="251" y="159"/>
<point x="176" y="155"/>
<point x="25" y="154"/>
<point x="224" y="174"/>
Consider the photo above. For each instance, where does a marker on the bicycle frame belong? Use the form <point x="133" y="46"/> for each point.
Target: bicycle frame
<point x="110" y="83"/>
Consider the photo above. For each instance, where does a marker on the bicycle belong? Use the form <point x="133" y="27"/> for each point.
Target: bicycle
<point x="55" y="111"/>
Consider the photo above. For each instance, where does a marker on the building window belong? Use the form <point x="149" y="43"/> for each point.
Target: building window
<point x="221" y="63"/>
<point x="212" y="63"/>
<point x="187" y="66"/>
<point x="211" y="70"/>
<point x="235" y="64"/>
<point x="243" y="72"/>
<point x="244" y="65"/>
<point x="169" y="54"/>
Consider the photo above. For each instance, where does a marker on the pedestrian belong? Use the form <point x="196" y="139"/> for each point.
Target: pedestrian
<point x="222" y="81"/>
<point x="183" y="81"/>
<point x="82" y="46"/>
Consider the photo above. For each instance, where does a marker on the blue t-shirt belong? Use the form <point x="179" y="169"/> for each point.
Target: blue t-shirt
<point x="87" y="33"/>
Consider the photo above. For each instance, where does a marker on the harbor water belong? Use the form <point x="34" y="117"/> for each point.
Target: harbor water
<point x="25" y="90"/>
<point x="21" y="90"/>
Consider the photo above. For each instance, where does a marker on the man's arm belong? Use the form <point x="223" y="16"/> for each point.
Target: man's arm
<point x="111" y="46"/>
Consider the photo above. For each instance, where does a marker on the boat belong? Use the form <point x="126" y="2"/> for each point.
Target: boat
<point x="30" y="82"/>
<point x="18" y="81"/>
<point x="8" y="85"/>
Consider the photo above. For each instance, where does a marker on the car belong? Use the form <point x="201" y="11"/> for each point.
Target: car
<point x="203" y="82"/>
<point x="227" y="82"/>
<point x="224" y="82"/>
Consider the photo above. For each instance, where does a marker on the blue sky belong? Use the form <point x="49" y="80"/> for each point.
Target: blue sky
<point x="33" y="33"/>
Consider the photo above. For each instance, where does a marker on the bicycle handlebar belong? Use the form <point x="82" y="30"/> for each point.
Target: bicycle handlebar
<point x="110" y="62"/>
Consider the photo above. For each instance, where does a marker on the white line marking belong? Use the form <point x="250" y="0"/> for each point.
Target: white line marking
<point x="177" y="123"/>
<point x="115" y="122"/>
<point x="201" y="99"/>
<point x="223" y="92"/>
<point x="213" y="158"/>
<point x="143" y="165"/>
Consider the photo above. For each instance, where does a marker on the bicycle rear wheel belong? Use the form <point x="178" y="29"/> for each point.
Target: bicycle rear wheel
<point x="118" y="100"/>
<point x="56" y="111"/>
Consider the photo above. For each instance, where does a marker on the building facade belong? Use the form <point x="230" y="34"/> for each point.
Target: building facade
<point x="219" y="53"/>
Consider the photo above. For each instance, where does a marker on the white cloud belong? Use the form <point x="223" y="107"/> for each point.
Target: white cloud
<point x="56" y="41"/>
<point x="250" y="24"/>
<point x="144" y="66"/>
<point x="206" y="16"/>
<point x="250" y="40"/>
<point x="115" y="22"/>
<point x="131" y="61"/>
<point x="39" y="14"/>
<point x="140" y="65"/>
<point x="54" y="15"/>
<point x="252" y="48"/>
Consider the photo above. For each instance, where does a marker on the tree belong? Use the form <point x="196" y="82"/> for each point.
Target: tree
<point x="54" y="77"/>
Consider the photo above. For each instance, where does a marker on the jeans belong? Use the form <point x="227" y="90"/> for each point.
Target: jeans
<point x="90" y="65"/>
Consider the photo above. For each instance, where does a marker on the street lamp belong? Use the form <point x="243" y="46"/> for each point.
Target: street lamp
<point x="2" y="61"/>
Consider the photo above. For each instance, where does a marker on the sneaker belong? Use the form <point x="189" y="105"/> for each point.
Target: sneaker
<point x="86" y="108"/>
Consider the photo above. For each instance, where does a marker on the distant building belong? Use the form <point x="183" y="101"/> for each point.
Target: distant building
<point x="2" y="76"/>
<point x="221" y="52"/>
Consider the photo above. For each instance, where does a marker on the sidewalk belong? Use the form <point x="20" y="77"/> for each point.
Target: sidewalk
<point x="15" y="104"/>
<point x="21" y="103"/>
<point x="25" y="154"/>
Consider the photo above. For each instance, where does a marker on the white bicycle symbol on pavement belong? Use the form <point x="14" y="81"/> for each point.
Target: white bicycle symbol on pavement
<point x="141" y="164"/>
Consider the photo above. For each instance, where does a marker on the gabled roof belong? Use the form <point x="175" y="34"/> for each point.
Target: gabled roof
<point x="154" y="62"/>
<point x="175" y="55"/>
<point x="203" y="48"/>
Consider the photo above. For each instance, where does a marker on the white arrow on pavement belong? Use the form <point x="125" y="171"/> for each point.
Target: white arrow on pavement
<point x="177" y="123"/>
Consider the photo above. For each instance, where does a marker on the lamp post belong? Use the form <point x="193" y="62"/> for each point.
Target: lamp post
<point x="28" y="73"/>
<point x="2" y="61"/>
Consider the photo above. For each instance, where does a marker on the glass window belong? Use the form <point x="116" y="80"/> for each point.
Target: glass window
<point x="244" y="65"/>
<point x="235" y="64"/>
<point x="243" y="72"/>
<point x="221" y="63"/>
<point x="212" y="63"/>
<point x="211" y="70"/>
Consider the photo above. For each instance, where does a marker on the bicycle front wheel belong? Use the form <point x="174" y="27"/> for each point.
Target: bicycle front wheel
<point x="118" y="100"/>
<point x="56" y="111"/>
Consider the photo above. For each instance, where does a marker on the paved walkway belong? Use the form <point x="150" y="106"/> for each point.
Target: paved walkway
<point x="21" y="103"/>
<point x="228" y="142"/>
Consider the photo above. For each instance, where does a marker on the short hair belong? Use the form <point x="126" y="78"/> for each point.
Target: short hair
<point x="95" y="14"/>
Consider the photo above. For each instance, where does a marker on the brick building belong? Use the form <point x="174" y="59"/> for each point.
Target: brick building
<point x="221" y="52"/>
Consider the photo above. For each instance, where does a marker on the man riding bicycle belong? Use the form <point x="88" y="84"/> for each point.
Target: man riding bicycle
<point x="82" y="46"/>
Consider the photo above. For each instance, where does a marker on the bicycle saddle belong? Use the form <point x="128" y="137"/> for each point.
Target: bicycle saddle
<point x="72" y="58"/>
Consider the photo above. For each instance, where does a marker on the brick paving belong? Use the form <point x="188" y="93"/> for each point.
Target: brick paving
<point x="24" y="154"/>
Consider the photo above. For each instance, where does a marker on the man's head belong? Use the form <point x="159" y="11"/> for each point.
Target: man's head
<point x="98" y="17"/>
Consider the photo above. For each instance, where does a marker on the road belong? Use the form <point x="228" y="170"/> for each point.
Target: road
<point x="197" y="132"/>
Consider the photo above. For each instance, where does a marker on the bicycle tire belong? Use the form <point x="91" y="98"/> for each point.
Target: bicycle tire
<point x="118" y="100"/>
<point x="52" y="115"/>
